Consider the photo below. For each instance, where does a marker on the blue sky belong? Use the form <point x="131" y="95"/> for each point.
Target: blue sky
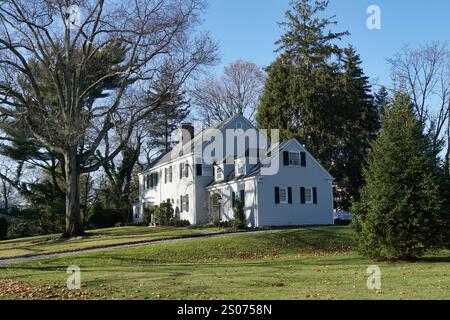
<point x="247" y="29"/>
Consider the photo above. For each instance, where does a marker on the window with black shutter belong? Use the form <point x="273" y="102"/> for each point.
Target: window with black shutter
<point x="289" y="195"/>
<point x="303" y="159"/>
<point x="186" y="170"/>
<point x="233" y="198"/>
<point x="181" y="203"/>
<point x="315" y="195"/>
<point x="198" y="169"/>
<point x="242" y="197"/>
<point x="286" y="158"/>
<point x="181" y="171"/>
<point x="302" y="195"/>
<point x="151" y="180"/>
<point x="187" y="202"/>
<point x="277" y="195"/>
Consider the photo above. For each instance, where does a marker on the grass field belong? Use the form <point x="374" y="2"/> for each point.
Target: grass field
<point x="96" y="238"/>
<point x="308" y="263"/>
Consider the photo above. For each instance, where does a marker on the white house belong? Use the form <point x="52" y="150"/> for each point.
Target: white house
<point x="284" y="186"/>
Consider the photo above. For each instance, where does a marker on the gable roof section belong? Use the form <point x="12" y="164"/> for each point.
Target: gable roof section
<point x="204" y="135"/>
<point x="256" y="169"/>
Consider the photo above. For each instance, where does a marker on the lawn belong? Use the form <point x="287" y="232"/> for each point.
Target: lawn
<point x="96" y="238"/>
<point x="307" y="263"/>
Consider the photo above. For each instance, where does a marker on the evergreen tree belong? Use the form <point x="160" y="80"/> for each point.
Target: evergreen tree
<point x="401" y="211"/>
<point x="275" y="110"/>
<point x="358" y="121"/>
<point x="318" y="93"/>
<point x="309" y="72"/>
<point x="171" y="110"/>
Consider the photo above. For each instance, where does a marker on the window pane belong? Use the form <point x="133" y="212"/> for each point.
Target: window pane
<point x="308" y="195"/>
<point x="294" y="158"/>
<point x="283" y="195"/>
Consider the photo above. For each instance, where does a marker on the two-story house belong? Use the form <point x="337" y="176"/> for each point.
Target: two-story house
<point x="279" y="185"/>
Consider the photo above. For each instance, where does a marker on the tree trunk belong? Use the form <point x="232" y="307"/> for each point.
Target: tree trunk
<point x="73" y="216"/>
<point x="448" y="138"/>
<point x="5" y="196"/>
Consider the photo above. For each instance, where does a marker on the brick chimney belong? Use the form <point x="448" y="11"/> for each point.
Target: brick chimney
<point x="186" y="133"/>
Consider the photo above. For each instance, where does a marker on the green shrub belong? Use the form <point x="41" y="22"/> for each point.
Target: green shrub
<point x="239" y="216"/>
<point x="22" y="229"/>
<point x="341" y="222"/>
<point x="105" y="218"/>
<point x="179" y="223"/>
<point x="3" y="228"/>
<point x="164" y="214"/>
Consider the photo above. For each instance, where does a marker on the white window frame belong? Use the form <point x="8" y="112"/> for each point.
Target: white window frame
<point x="240" y="167"/>
<point x="310" y="189"/>
<point x="285" y="189"/>
<point x="299" y="158"/>
<point x="219" y="174"/>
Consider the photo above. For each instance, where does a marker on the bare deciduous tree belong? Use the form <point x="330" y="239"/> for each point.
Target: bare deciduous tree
<point x="7" y="176"/>
<point x="236" y="91"/>
<point x="425" y="74"/>
<point x="47" y="87"/>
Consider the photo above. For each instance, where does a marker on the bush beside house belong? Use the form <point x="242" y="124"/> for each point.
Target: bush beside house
<point x="3" y="228"/>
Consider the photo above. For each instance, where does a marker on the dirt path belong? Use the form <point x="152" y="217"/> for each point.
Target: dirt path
<point x="4" y="261"/>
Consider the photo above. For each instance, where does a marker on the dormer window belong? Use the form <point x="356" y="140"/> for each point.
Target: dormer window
<point x="219" y="173"/>
<point x="238" y="125"/>
<point x="240" y="167"/>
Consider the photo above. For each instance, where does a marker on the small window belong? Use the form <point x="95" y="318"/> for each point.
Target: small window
<point x="186" y="170"/>
<point x="294" y="158"/>
<point x="283" y="195"/>
<point x="219" y="173"/>
<point x="240" y="168"/>
<point x="308" y="195"/>
<point x="238" y="125"/>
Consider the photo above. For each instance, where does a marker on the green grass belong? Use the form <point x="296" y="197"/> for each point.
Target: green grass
<point x="308" y="263"/>
<point x="97" y="238"/>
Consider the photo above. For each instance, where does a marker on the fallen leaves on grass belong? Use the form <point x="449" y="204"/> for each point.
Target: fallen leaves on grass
<point x="24" y="290"/>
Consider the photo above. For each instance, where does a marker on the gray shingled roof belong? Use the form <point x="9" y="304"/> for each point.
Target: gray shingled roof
<point x="253" y="171"/>
<point x="205" y="135"/>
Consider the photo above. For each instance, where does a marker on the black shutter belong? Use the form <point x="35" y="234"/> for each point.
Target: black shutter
<point x="315" y="195"/>
<point x="286" y="158"/>
<point x="165" y="175"/>
<point x="198" y="169"/>
<point x="181" y="171"/>
<point x="242" y="197"/>
<point x="302" y="195"/>
<point x="151" y="180"/>
<point x="181" y="203"/>
<point x="187" y="170"/>
<point x="187" y="202"/>
<point x="233" y="198"/>
<point x="303" y="159"/>
<point x="156" y="178"/>
<point x="277" y="195"/>
<point x="289" y="194"/>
